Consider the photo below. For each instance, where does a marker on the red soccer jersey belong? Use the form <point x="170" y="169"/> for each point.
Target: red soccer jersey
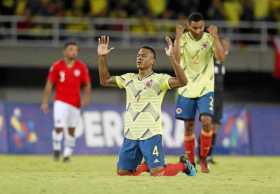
<point x="68" y="81"/>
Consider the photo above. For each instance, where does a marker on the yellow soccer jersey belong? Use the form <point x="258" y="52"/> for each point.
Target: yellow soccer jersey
<point x="143" y="104"/>
<point x="198" y="64"/>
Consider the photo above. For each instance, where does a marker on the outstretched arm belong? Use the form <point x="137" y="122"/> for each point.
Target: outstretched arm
<point x="218" y="47"/>
<point x="173" y="52"/>
<point x="104" y="75"/>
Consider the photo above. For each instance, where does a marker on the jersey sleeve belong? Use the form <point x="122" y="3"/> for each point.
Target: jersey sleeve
<point x="121" y="80"/>
<point x="164" y="80"/>
<point x="53" y="74"/>
<point x="85" y="75"/>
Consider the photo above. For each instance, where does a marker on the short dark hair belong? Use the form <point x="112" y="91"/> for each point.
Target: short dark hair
<point x="70" y="44"/>
<point x="195" y="17"/>
<point x="151" y="49"/>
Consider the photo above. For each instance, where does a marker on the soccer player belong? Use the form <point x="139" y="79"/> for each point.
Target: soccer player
<point x="67" y="75"/>
<point x="198" y="49"/>
<point x="145" y="91"/>
<point x="219" y="71"/>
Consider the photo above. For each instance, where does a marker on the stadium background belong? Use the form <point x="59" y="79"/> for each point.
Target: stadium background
<point x="32" y="34"/>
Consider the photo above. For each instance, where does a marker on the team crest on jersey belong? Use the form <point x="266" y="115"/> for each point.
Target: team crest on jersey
<point x="148" y="84"/>
<point x="179" y="110"/>
<point x="77" y="72"/>
<point x="205" y="45"/>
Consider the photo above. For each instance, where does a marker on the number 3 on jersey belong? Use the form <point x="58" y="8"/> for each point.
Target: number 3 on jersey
<point x="61" y="76"/>
<point x="155" y="151"/>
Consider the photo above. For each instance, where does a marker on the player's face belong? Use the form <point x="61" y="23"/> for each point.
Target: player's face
<point x="145" y="59"/>
<point x="71" y="51"/>
<point x="197" y="28"/>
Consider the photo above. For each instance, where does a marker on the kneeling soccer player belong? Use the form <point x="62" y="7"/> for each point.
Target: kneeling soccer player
<point x="143" y="125"/>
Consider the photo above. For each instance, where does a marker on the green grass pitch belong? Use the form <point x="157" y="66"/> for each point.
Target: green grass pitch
<point x="96" y="175"/>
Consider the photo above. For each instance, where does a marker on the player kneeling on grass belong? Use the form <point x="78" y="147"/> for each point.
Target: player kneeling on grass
<point x="143" y="124"/>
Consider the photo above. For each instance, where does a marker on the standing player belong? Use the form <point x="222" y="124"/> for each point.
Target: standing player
<point x="220" y="71"/>
<point x="198" y="49"/>
<point x="145" y="91"/>
<point x="67" y="75"/>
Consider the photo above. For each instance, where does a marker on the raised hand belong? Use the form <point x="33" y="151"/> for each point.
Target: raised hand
<point x="218" y="48"/>
<point x="169" y="49"/>
<point x="213" y="30"/>
<point x="179" y="31"/>
<point x="103" y="46"/>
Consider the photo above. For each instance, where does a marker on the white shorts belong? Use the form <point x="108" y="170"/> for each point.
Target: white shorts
<point x="65" y="115"/>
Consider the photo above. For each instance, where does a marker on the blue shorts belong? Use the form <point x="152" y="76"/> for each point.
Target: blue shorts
<point x="133" y="151"/>
<point x="186" y="107"/>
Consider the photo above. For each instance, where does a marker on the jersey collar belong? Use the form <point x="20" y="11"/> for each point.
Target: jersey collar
<point x="145" y="76"/>
<point x="74" y="63"/>
<point x="191" y="36"/>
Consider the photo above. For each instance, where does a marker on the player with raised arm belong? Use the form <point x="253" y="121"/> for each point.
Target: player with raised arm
<point x="198" y="49"/>
<point x="67" y="75"/>
<point x="145" y="91"/>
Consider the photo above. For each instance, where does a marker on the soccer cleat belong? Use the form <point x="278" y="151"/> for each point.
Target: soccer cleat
<point x="204" y="166"/>
<point x="66" y="159"/>
<point x="209" y="160"/>
<point x="56" y="155"/>
<point x="190" y="168"/>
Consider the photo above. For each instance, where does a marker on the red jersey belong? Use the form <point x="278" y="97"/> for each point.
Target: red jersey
<point x="68" y="81"/>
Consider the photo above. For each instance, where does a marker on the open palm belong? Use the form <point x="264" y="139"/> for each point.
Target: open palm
<point x="169" y="48"/>
<point x="103" y="46"/>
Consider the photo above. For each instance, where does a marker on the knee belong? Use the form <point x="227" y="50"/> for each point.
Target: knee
<point x="58" y="130"/>
<point x="206" y="122"/>
<point x="71" y="132"/>
<point x="189" y="127"/>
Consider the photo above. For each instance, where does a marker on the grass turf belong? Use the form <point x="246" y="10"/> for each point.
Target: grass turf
<point x="96" y="175"/>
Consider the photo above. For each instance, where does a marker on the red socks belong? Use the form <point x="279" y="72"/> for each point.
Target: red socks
<point x="205" y="143"/>
<point x="168" y="170"/>
<point x="143" y="167"/>
<point x="189" y="145"/>
<point x="173" y="169"/>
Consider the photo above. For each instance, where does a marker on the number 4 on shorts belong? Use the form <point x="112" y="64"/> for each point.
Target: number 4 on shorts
<point x="155" y="151"/>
